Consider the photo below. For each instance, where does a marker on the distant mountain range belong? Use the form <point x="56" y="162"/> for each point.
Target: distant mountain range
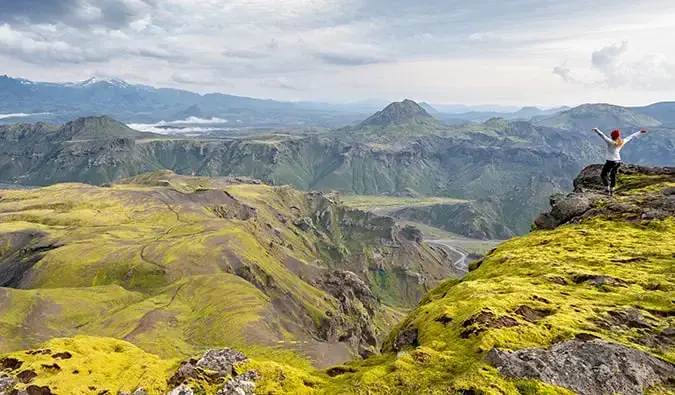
<point x="24" y="100"/>
<point x="510" y="167"/>
<point x="60" y="102"/>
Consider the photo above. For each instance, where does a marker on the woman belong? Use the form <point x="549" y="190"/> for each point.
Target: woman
<point x="614" y="145"/>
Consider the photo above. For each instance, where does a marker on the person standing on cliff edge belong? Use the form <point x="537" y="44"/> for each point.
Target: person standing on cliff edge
<point x="614" y="145"/>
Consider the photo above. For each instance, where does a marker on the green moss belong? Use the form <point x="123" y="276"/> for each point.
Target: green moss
<point x="153" y="266"/>
<point x="102" y="363"/>
<point x="518" y="274"/>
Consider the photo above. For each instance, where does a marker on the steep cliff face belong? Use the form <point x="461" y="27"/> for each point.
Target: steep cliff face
<point x="177" y="264"/>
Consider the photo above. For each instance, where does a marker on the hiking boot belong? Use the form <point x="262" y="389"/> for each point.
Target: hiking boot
<point x="611" y="191"/>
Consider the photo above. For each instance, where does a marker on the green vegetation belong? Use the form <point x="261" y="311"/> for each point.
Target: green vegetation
<point x="551" y="272"/>
<point x="101" y="363"/>
<point x="177" y="264"/>
<point x="389" y="203"/>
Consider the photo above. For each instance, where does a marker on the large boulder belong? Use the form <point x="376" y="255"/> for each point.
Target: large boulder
<point x="566" y="208"/>
<point x="583" y="202"/>
<point x="595" y="367"/>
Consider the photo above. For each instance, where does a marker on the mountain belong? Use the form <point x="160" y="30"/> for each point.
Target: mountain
<point x="663" y="112"/>
<point x="132" y="103"/>
<point x="603" y="116"/>
<point x="104" y="127"/>
<point x="399" y="119"/>
<point x="176" y="303"/>
<point x="399" y="113"/>
<point x="192" y="111"/>
<point x="525" y="113"/>
<point x="515" y="164"/>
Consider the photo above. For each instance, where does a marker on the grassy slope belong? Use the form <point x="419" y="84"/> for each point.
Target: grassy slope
<point x="157" y="267"/>
<point x="517" y="273"/>
<point x="171" y="267"/>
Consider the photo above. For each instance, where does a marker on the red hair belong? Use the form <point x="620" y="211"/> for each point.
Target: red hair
<point x="616" y="136"/>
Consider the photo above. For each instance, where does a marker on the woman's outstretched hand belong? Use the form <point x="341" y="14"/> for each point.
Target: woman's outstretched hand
<point x="644" y="131"/>
<point x="596" y="129"/>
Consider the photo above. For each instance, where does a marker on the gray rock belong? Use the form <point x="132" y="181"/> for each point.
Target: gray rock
<point x="630" y="317"/>
<point x="138" y="391"/>
<point x="6" y="384"/>
<point x="595" y="367"/>
<point x="572" y="206"/>
<point x="181" y="390"/>
<point x="221" y="361"/>
<point x="406" y="337"/>
<point x="589" y="178"/>
<point x="565" y="209"/>
<point x="244" y="384"/>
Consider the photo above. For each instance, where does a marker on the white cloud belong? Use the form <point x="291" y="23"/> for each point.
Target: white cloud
<point x="188" y="125"/>
<point x="616" y="69"/>
<point x="352" y="49"/>
<point x="21" y="115"/>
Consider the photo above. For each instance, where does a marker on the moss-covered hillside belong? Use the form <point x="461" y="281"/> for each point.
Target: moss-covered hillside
<point x="586" y="306"/>
<point x="607" y="273"/>
<point x="177" y="265"/>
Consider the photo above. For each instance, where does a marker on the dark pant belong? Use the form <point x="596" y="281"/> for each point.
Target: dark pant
<point x="610" y="169"/>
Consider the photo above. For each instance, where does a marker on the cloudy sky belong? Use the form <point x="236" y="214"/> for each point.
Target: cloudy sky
<point x="516" y="52"/>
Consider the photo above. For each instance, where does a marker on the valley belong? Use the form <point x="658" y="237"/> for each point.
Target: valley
<point x="115" y="287"/>
<point x="393" y="254"/>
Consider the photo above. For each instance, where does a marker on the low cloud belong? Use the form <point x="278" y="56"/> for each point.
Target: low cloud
<point x="188" y="125"/>
<point x="21" y="115"/>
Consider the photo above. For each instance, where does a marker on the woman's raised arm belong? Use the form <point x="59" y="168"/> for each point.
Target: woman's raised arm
<point x="604" y="136"/>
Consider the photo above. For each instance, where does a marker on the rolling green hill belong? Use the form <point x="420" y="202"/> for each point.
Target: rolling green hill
<point x="178" y="264"/>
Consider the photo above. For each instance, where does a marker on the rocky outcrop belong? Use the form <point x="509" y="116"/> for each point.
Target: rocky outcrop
<point x="243" y="384"/>
<point x="212" y="367"/>
<point x="587" y="201"/>
<point x="595" y="367"/>
<point x="6" y="384"/>
<point x="589" y="180"/>
<point x="354" y="321"/>
<point x="407" y="337"/>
